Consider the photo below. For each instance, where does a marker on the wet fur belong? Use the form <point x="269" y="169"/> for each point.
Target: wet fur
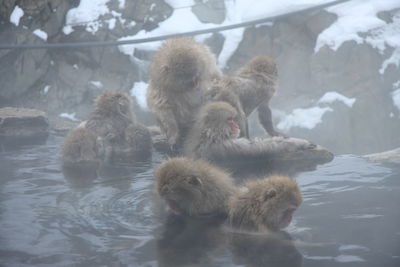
<point x="259" y="204"/>
<point x="201" y="189"/>
<point x="111" y="133"/>
<point x="211" y="139"/>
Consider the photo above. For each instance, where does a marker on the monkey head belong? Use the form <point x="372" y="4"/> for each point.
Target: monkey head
<point x="178" y="66"/>
<point x="261" y="65"/>
<point x="193" y="187"/>
<point x="113" y="103"/>
<point x="266" y="204"/>
<point x="219" y="121"/>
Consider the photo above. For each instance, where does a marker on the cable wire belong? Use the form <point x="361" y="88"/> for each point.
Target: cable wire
<point x="167" y="36"/>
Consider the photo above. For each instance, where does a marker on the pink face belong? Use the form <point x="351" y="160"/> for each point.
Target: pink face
<point x="287" y="216"/>
<point x="235" y="130"/>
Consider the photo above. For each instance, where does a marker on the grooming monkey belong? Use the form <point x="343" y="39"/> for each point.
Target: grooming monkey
<point x="181" y="72"/>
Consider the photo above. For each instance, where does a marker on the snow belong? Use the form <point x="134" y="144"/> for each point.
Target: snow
<point x="358" y="21"/>
<point x="303" y="118"/>
<point x="67" y="29"/>
<point x="16" y="15"/>
<point x="88" y="12"/>
<point x="331" y="97"/>
<point x="393" y="60"/>
<point x="97" y="84"/>
<point x="69" y="116"/>
<point x="396" y="98"/>
<point x="183" y="20"/>
<point x="179" y="3"/>
<point x="46" y="89"/>
<point x="139" y="91"/>
<point x="121" y="4"/>
<point x="41" y="34"/>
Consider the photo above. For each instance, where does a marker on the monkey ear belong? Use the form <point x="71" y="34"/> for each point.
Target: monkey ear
<point x="193" y="180"/>
<point x="270" y="194"/>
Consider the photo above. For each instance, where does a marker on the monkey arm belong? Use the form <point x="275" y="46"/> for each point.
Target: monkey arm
<point x="265" y="118"/>
<point x="266" y="150"/>
<point x="169" y="125"/>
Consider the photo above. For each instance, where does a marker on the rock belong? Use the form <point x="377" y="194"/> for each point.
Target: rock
<point x="22" y="126"/>
<point x="211" y="11"/>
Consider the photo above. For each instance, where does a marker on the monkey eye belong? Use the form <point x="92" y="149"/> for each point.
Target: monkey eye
<point x="193" y="180"/>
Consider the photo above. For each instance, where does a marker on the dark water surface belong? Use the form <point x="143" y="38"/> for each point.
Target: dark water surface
<point x="350" y="217"/>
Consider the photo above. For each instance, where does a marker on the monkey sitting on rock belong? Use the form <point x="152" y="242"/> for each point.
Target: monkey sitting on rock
<point x="110" y="134"/>
<point x="214" y="137"/>
<point x="254" y="85"/>
<point x="180" y="74"/>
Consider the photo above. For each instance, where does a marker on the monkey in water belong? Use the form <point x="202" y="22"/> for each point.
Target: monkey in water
<point x="214" y="136"/>
<point x="194" y="188"/>
<point x="264" y="205"/>
<point x="111" y="133"/>
<point x="180" y="73"/>
<point x="254" y="84"/>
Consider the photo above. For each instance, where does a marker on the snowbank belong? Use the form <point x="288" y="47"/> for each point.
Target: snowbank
<point x="331" y="97"/>
<point x="16" y="15"/>
<point x="139" y="92"/>
<point x="358" y="21"/>
<point x="183" y="20"/>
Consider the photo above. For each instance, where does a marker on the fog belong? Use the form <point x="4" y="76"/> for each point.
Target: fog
<point x="338" y="87"/>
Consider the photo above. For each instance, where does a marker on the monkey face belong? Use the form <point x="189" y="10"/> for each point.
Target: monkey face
<point x="219" y="120"/>
<point x="180" y="191"/>
<point x="179" y="184"/>
<point x="266" y="204"/>
<point x="278" y="202"/>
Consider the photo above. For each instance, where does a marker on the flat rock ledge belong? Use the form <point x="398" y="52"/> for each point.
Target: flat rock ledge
<point x="22" y="126"/>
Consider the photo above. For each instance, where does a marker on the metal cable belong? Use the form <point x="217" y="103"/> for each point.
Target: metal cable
<point x="167" y="36"/>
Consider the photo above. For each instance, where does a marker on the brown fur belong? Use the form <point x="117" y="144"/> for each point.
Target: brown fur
<point x="255" y="84"/>
<point x="80" y="146"/>
<point x="211" y="128"/>
<point x="196" y="187"/>
<point x="180" y="74"/>
<point x="260" y="205"/>
<point x="221" y="91"/>
<point x="111" y="132"/>
<point x="211" y="138"/>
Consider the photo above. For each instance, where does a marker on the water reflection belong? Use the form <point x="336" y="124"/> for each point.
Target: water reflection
<point x="350" y="217"/>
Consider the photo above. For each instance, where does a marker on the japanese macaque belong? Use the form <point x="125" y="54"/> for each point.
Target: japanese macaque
<point x="214" y="137"/>
<point x="194" y="188"/>
<point x="181" y="72"/>
<point x="111" y="133"/>
<point x="81" y="147"/>
<point x="264" y="205"/>
<point x="254" y="84"/>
